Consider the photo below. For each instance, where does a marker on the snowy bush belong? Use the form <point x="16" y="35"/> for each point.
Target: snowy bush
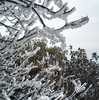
<point x="20" y="77"/>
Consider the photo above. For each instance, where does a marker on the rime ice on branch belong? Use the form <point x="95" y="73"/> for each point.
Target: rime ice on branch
<point x="19" y="18"/>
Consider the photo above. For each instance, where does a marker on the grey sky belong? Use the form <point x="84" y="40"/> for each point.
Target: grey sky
<point x="87" y="36"/>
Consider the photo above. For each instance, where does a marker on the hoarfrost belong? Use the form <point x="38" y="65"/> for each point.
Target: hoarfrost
<point x="16" y="82"/>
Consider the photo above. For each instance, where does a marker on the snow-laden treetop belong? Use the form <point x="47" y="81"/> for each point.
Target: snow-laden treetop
<point x="19" y="18"/>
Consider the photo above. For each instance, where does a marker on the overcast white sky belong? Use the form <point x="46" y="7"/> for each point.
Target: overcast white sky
<point x="87" y="36"/>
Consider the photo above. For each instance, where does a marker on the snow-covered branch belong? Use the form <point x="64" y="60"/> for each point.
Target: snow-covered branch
<point x="18" y="18"/>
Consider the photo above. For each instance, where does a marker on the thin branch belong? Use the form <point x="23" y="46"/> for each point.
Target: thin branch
<point x="73" y="24"/>
<point x="8" y="26"/>
<point x="8" y="45"/>
<point x="18" y="2"/>
<point x="16" y="17"/>
<point x="9" y="19"/>
<point x="41" y="20"/>
<point x="57" y="13"/>
<point x="2" y="40"/>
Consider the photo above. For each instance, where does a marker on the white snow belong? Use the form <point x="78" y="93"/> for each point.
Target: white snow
<point x="44" y="98"/>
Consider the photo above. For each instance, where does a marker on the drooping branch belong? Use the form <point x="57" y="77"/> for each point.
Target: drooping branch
<point x="73" y="24"/>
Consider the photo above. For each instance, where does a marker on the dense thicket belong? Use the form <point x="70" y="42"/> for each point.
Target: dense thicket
<point x="31" y="71"/>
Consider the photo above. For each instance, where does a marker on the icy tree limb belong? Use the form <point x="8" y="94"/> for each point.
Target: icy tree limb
<point x="84" y="93"/>
<point x="73" y="24"/>
<point x="6" y="96"/>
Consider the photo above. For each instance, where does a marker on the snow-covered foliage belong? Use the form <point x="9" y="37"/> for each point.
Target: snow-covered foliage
<point x="39" y="84"/>
<point x="19" y="17"/>
<point x="50" y="82"/>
